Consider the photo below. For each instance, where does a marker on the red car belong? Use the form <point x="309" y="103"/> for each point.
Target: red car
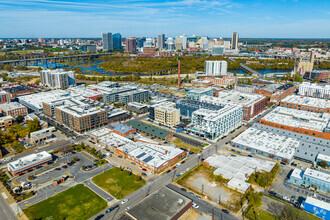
<point x="144" y="169"/>
<point x="64" y="167"/>
<point x="183" y="161"/>
<point x="173" y="167"/>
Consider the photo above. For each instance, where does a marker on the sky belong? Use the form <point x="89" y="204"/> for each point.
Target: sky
<point x="213" y="18"/>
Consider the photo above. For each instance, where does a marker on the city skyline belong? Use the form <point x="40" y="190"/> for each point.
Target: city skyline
<point x="88" y="19"/>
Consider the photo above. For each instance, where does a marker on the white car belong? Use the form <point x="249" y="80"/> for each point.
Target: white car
<point x="286" y="198"/>
<point x="178" y="164"/>
<point x="124" y="201"/>
<point x="127" y="208"/>
<point x="195" y="205"/>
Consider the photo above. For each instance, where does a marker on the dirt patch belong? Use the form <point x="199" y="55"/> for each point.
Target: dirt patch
<point x="172" y="92"/>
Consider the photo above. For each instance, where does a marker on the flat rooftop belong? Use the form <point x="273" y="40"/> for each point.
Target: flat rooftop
<point x="150" y="129"/>
<point x="274" y="144"/>
<point x="297" y="173"/>
<point x="234" y="97"/>
<point x="307" y="101"/>
<point x="81" y="90"/>
<point x="11" y="106"/>
<point x="100" y="133"/>
<point x="197" y="104"/>
<point x="163" y="204"/>
<point x="318" y="203"/>
<point x="137" y="105"/>
<point x="317" y="175"/>
<point x="211" y="115"/>
<point x="299" y="118"/>
<point x="200" y="90"/>
<point x="29" y="160"/>
<point x="80" y="111"/>
<point x="119" y="127"/>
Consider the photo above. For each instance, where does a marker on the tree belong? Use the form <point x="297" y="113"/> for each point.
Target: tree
<point x="20" y="119"/>
<point x="323" y="164"/>
<point x="291" y="213"/>
<point x="316" y="80"/>
<point x="33" y="125"/>
<point x="297" y="78"/>
<point x="255" y="200"/>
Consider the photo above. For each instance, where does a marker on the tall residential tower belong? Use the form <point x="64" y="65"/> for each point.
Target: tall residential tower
<point x="107" y="41"/>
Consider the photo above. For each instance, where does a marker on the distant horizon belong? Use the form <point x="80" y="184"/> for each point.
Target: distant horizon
<point x="302" y="19"/>
<point x="240" y="38"/>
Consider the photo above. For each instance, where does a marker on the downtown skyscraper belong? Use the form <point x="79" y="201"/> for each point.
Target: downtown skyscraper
<point x="107" y="41"/>
<point x="161" y="41"/>
<point x="234" y="41"/>
<point x="116" y="41"/>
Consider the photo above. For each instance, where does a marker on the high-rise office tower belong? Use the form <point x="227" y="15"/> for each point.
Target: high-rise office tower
<point x="116" y="41"/>
<point x="183" y="41"/>
<point x="170" y="44"/>
<point x="234" y="41"/>
<point x="130" y="45"/>
<point x="161" y="41"/>
<point x="107" y="41"/>
<point x="140" y="42"/>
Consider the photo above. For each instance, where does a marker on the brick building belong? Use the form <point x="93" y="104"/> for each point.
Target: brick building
<point x="6" y="121"/>
<point x="306" y="104"/>
<point x="13" y="109"/>
<point x="121" y="129"/>
<point x="4" y="97"/>
<point x="17" y="90"/>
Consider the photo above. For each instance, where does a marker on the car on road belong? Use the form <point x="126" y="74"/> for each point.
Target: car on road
<point x="168" y="171"/>
<point x="198" y="197"/>
<point x="286" y="198"/>
<point x="144" y="169"/>
<point x="109" y="210"/>
<point x="124" y="201"/>
<point x="129" y="169"/>
<point x="183" y="162"/>
<point x="178" y="164"/>
<point x="192" y="194"/>
<point x="119" y="156"/>
<point x="140" y="167"/>
<point x="183" y="189"/>
<point x="225" y="211"/>
<point x="65" y="166"/>
<point x="127" y="208"/>
<point x="173" y="167"/>
<point x="250" y="155"/>
<point x="195" y="205"/>
<point x="99" y="217"/>
<point x="144" y="174"/>
<point x="133" y="163"/>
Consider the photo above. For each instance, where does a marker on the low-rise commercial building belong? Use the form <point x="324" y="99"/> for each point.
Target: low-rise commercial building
<point x="282" y="92"/>
<point x="197" y="93"/>
<point x="306" y="104"/>
<point x="121" y="129"/>
<point x="314" y="90"/>
<point x="163" y="204"/>
<point x="6" y="121"/>
<point x="314" y="179"/>
<point x="110" y="90"/>
<point x="278" y="147"/>
<point x="17" y="90"/>
<point x="245" y="88"/>
<point x="86" y="93"/>
<point x="321" y="75"/>
<point x="117" y="115"/>
<point x="150" y="130"/>
<point x="253" y="104"/>
<point x="95" y="135"/>
<point x="4" y="97"/>
<point x="317" y="207"/>
<point x="27" y="163"/>
<point x="13" y="109"/>
<point x="138" y="108"/>
<point x="308" y="123"/>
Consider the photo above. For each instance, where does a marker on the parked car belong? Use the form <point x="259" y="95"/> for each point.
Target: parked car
<point x="191" y="193"/>
<point x="168" y="171"/>
<point x="183" y="189"/>
<point x="225" y="211"/>
<point x="286" y="198"/>
<point x="57" y="168"/>
<point x="195" y="205"/>
<point x="64" y="167"/>
<point x="144" y="169"/>
<point x="183" y="161"/>
<point x="144" y="174"/>
<point x="124" y="201"/>
<point x="272" y="193"/>
<point x="133" y="163"/>
<point x="198" y="197"/>
<point x="109" y="209"/>
<point x="127" y="208"/>
<point x="99" y="217"/>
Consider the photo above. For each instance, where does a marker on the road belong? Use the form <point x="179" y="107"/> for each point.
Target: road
<point x="5" y="210"/>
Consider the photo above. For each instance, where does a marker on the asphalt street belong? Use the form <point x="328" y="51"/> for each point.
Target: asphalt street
<point x="5" y="211"/>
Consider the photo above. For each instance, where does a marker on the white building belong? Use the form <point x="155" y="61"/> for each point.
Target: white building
<point x="314" y="90"/>
<point x="214" y="68"/>
<point x="57" y="78"/>
<point x="212" y="124"/>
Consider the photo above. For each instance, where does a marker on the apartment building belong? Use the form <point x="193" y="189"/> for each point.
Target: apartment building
<point x="13" y="109"/>
<point x="306" y="104"/>
<point x="6" y="121"/>
<point x="197" y="93"/>
<point x="58" y="78"/>
<point x="168" y="116"/>
<point x="80" y="117"/>
<point x="137" y="107"/>
<point x="188" y="106"/>
<point x="154" y="106"/>
<point x="212" y="124"/>
<point x="253" y="104"/>
<point x="314" y="90"/>
<point x="139" y="95"/>
<point x="4" y="97"/>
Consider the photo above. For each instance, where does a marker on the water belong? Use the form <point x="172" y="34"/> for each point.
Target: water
<point x="94" y="67"/>
<point x="263" y="72"/>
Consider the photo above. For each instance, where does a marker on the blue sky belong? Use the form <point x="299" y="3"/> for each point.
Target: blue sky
<point x="215" y="18"/>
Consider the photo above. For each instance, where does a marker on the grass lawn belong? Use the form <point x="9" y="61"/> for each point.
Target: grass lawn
<point x="262" y="215"/>
<point x="180" y="144"/>
<point x="78" y="202"/>
<point x="119" y="183"/>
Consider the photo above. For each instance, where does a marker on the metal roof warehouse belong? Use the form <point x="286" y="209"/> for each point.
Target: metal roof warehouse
<point x="150" y="129"/>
